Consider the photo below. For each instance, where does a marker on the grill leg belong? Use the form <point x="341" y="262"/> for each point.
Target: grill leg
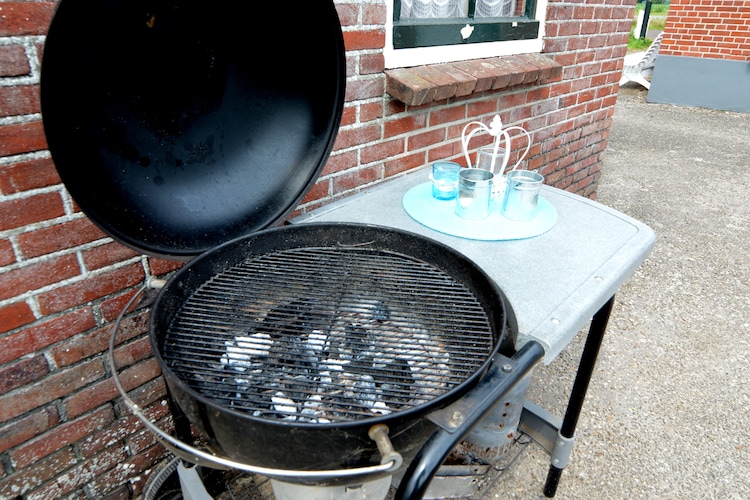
<point x="181" y="422"/>
<point x="580" y="386"/>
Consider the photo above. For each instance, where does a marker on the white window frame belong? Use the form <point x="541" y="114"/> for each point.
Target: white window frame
<point x="403" y="58"/>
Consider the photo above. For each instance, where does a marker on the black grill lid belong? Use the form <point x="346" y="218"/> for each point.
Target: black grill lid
<point x="179" y="125"/>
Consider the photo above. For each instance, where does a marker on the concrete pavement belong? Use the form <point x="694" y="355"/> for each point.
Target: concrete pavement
<point x="668" y="411"/>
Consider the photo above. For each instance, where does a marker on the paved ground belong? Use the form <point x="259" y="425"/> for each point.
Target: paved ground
<point x="668" y="411"/>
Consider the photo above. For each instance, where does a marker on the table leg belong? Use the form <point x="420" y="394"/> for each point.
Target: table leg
<point x="580" y="386"/>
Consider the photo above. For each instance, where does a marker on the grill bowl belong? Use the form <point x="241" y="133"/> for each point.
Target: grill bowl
<point x="469" y="324"/>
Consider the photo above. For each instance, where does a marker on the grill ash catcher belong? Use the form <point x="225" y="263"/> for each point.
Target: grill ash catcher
<point x="352" y="346"/>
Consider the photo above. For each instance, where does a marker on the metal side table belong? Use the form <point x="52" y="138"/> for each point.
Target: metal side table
<point x="556" y="282"/>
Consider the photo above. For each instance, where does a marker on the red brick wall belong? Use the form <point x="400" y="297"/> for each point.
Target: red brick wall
<point x="718" y="29"/>
<point x="569" y="118"/>
<point x="63" y="431"/>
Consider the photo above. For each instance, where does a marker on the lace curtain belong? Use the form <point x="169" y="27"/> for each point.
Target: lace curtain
<point x="495" y="8"/>
<point x="423" y="9"/>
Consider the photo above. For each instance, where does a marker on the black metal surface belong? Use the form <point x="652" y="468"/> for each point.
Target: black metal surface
<point x="491" y="389"/>
<point x="580" y="386"/>
<point x="415" y="275"/>
<point x="179" y="125"/>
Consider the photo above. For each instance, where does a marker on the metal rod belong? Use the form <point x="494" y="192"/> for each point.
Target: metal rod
<point x="196" y="456"/>
<point x="580" y="386"/>
<point x="500" y="378"/>
<point x="646" y="15"/>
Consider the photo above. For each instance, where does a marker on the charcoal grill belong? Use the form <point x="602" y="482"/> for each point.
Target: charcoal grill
<point x="324" y="331"/>
<point x="192" y="142"/>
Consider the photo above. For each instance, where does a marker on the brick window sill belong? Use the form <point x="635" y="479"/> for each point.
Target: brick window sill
<point x="437" y="82"/>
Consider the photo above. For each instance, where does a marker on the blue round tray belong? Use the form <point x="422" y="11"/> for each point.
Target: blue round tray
<point x="440" y="216"/>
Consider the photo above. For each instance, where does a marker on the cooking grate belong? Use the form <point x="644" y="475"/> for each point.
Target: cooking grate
<point x="328" y="334"/>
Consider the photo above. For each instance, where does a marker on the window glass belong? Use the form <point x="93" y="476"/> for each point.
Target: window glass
<point x="430" y="31"/>
<point x="444" y="9"/>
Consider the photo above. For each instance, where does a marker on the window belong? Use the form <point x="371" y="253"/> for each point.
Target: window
<point x="432" y="31"/>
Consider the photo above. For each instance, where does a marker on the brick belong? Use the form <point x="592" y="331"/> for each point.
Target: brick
<point x="20" y="484"/>
<point x="374" y="14"/>
<point x="364" y="39"/>
<point x="153" y="391"/>
<point x="408" y="87"/>
<point x="425" y="139"/>
<point x="404" y="163"/>
<point x="451" y="151"/>
<point x="483" y="72"/>
<point x="357" y="136"/>
<point x="445" y="83"/>
<point x="348" y="116"/>
<point x="340" y="162"/>
<point x="114" y="431"/>
<point x="348" y="14"/>
<point x="549" y="68"/>
<point x="28" y="427"/>
<point x="52" y="387"/>
<point x="90" y="289"/>
<point x="100" y="393"/>
<point x="111" y="307"/>
<point x="21" y="138"/>
<point x="530" y="72"/>
<point x="465" y="84"/>
<point x="7" y="256"/>
<point x="481" y="108"/>
<point x="394" y="107"/>
<point x="320" y="190"/>
<point x="405" y="125"/>
<point x="31" y="277"/>
<point x="22" y="372"/>
<point x="160" y="267"/>
<point x="37" y="337"/>
<point x="370" y="111"/>
<point x="448" y="114"/>
<point x="356" y="178"/>
<point x="85" y="345"/>
<point x="142" y="441"/>
<point x="25" y="211"/>
<point x="26" y="175"/>
<point x="14" y="315"/>
<point x="13" y="61"/>
<point x="60" y="437"/>
<point x="25" y="18"/>
<point x="81" y="474"/>
<point x="131" y="469"/>
<point x="371" y="64"/>
<point x="58" y="237"/>
<point x="19" y="100"/>
<point x="381" y="150"/>
<point x="351" y="66"/>
<point x="365" y="89"/>
<point x="107" y="254"/>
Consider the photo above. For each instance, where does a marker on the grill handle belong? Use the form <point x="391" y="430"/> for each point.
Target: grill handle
<point x="390" y="462"/>
<point x="456" y="420"/>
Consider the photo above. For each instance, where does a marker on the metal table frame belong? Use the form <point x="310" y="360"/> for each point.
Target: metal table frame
<point x="555" y="282"/>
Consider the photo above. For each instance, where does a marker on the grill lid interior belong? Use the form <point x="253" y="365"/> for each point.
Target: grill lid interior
<point x="202" y="127"/>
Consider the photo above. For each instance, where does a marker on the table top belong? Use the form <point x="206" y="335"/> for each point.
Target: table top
<point x="555" y="282"/>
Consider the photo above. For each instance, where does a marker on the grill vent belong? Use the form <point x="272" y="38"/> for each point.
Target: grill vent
<point x="328" y="334"/>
